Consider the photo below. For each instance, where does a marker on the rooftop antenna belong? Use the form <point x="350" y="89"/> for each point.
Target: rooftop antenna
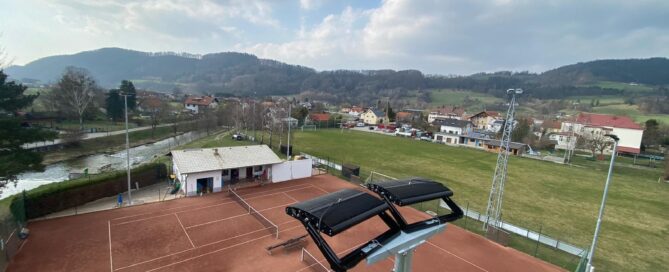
<point x="494" y="208"/>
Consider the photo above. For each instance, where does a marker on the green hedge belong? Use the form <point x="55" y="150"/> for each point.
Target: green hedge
<point x="58" y="196"/>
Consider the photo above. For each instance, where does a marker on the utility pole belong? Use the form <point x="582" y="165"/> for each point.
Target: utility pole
<point x="127" y="149"/>
<point x="591" y="253"/>
<point x="289" y="124"/>
<point x="494" y="208"/>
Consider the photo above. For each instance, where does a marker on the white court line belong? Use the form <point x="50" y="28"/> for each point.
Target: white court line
<point x="199" y="207"/>
<point x="291" y="198"/>
<point x="216" y="242"/>
<point x="182" y="227"/>
<point x="325" y="260"/>
<point x="111" y="261"/>
<point x="220" y="249"/>
<point x="319" y="188"/>
<point x="240" y="215"/>
<point x="443" y="249"/>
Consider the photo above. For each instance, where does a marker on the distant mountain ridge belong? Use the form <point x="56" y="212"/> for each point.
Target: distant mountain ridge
<point x="241" y="73"/>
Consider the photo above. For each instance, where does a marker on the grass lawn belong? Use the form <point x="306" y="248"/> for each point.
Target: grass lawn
<point x="631" y="111"/>
<point x="622" y="86"/>
<point x="105" y="125"/>
<point x="561" y="200"/>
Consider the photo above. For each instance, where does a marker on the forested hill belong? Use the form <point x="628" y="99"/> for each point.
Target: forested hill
<point x="246" y="74"/>
<point x="653" y="71"/>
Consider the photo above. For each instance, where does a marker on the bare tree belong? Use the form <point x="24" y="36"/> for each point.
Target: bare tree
<point x="594" y="142"/>
<point x="74" y="92"/>
<point x="666" y="165"/>
<point x="157" y="109"/>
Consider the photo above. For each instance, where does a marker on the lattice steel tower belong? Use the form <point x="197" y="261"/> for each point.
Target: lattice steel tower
<point x="494" y="209"/>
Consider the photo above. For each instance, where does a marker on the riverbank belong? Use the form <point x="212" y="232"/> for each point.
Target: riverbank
<point x="110" y="144"/>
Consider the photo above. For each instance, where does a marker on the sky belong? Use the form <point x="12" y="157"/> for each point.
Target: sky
<point x="436" y="37"/>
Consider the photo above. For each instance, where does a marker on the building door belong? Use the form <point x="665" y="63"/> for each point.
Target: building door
<point x="205" y="185"/>
<point x="234" y="174"/>
<point x="249" y="172"/>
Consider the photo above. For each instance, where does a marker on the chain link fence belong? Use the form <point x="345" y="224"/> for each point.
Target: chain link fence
<point x="12" y="220"/>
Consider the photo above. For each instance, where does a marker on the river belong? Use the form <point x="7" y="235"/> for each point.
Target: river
<point x="60" y="171"/>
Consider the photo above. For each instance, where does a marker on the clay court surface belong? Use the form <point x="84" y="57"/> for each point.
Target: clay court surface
<point x="215" y="233"/>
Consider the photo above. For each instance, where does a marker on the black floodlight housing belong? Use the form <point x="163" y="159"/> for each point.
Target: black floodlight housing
<point x="416" y="190"/>
<point x="336" y="212"/>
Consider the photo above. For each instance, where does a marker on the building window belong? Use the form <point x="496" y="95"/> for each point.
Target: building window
<point x="257" y="168"/>
<point x="226" y="172"/>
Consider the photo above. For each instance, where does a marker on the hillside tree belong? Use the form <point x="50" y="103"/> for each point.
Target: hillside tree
<point x="127" y="88"/>
<point x="114" y="105"/>
<point x="74" y="92"/>
<point x="14" y="159"/>
<point x="594" y="142"/>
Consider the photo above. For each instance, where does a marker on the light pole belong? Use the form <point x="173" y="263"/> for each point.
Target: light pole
<point x="591" y="253"/>
<point x="127" y="148"/>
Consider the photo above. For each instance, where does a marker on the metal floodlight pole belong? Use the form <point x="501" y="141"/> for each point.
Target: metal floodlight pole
<point x="127" y="149"/>
<point x="289" y="124"/>
<point x="591" y="253"/>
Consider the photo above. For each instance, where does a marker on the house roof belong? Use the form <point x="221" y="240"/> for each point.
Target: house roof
<point x="319" y="116"/>
<point x="210" y="159"/>
<point x="403" y="114"/>
<point x="200" y="101"/>
<point x="450" y="111"/>
<point x="551" y="124"/>
<point x="485" y="114"/>
<point x="631" y="150"/>
<point x="511" y="144"/>
<point x="451" y="122"/>
<point x="378" y="113"/>
<point x="605" y="120"/>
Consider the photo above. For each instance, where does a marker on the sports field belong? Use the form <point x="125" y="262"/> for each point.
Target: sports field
<point x="215" y="233"/>
<point x="560" y="200"/>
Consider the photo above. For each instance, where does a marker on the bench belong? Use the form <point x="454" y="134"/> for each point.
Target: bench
<point x="291" y="243"/>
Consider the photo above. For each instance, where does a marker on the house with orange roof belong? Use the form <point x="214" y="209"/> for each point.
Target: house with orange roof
<point x="485" y="119"/>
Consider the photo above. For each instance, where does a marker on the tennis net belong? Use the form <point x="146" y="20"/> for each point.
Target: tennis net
<point x="273" y="228"/>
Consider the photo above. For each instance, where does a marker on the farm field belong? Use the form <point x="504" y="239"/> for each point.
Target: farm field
<point x="561" y="200"/>
<point x="456" y="97"/>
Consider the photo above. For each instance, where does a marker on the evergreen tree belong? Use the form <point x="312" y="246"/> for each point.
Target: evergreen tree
<point x="127" y="88"/>
<point x="115" y="105"/>
<point x="14" y="159"/>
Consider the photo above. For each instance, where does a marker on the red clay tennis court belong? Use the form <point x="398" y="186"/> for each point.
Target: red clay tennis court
<point x="218" y="233"/>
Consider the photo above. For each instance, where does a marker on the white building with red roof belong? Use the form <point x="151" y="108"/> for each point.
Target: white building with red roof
<point x="196" y="104"/>
<point x="629" y="132"/>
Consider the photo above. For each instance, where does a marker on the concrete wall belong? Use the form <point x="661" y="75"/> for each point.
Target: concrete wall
<point x="291" y="170"/>
<point x="629" y="137"/>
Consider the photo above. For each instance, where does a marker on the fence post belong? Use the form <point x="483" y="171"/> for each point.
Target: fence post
<point x="466" y="213"/>
<point x="536" y="248"/>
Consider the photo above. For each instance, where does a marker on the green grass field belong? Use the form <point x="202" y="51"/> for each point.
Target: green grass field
<point x="631" y="111"/>
<point x="456" y="97"/>
<point x="561" y="200"/>
<point x="622" y="86"/>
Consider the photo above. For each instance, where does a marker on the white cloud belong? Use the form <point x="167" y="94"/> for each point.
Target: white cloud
<point x="434" y="36"/>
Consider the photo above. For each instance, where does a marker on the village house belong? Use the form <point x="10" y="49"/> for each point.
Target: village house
<point x="404" y="117"/>
<point x="629" y="132"/>
<point x="356" y="111"/>
<point x="211" y="169"/>
<point x="374" y="117"/>
<point x="446" y="113"/>
<point x="483" y="120"/>
<point x="318" y="117"/>
<point x="197" y="104"/>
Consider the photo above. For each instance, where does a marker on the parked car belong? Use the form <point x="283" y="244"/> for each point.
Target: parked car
<point x="360" y="124"/>
<point x="371" y="127"/>
<point x="238" y="136"/>
<point x="426" y="138"/>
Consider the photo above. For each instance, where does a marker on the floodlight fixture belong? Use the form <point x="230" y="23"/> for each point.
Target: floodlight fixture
<point x="336" y="212"/>
<point x="416" y="190"/>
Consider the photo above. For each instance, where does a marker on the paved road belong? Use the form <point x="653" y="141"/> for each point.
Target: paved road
<point x="90" y="136"/>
